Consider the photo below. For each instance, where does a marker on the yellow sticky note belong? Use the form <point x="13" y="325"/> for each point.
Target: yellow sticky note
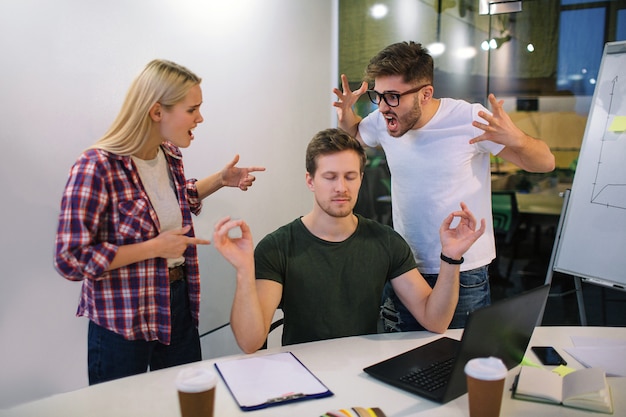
<point x="618" y="124"/>
<point x="563" y="370"/>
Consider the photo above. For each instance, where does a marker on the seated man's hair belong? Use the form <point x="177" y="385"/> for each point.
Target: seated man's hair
<point x="331" y="141"/>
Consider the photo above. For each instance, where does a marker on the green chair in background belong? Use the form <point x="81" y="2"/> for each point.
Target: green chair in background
<point x="506" y="221"/>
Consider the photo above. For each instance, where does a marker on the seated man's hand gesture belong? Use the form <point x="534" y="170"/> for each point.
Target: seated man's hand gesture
<point x="239" y="251"/>
<point x="456" y="241"/>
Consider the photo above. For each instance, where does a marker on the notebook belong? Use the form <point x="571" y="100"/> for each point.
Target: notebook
<point x="502" y="329"/>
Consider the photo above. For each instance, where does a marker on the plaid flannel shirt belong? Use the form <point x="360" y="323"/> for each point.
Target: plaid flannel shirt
<point x="105" y="206"/>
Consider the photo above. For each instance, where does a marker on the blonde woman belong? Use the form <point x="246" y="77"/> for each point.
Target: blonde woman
<point x="125" y="228"/>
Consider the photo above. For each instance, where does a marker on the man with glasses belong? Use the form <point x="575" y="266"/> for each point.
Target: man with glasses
<point x="438" y="152"/>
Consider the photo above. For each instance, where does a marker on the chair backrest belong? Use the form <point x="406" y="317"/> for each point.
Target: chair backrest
<point x="278" y="322"/>
<point x="376" y="183"/>
<point x="505" y="213"/>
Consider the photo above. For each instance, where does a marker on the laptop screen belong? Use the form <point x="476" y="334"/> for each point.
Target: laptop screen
<point x="502" y="329"/>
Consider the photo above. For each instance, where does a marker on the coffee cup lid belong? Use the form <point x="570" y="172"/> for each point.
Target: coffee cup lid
<point x="195" y="379"/>
<point x="489" y="369"/>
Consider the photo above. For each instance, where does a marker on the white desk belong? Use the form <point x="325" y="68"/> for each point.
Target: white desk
<point x="338" y="363"/>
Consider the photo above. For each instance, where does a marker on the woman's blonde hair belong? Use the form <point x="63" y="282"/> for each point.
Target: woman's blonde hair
<point x="162" y="82"/>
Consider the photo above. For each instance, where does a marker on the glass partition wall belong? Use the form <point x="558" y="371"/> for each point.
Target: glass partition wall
<point x="542" y="58"/>
<point x="543" y="62"/>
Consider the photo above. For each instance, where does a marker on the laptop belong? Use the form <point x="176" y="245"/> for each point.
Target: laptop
<point x="436" y="370"/>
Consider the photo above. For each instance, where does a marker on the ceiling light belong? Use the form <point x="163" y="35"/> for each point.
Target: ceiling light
<point x="436" y="48"/>
<point x="495" y="43"/>
<point x="467" y="52"/>
<point x="378" y="11"/>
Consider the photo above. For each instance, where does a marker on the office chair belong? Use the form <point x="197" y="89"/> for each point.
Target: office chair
<point x="374" y="200"/>
<point x="275" y="324"/>
<point x="506" y="221"/>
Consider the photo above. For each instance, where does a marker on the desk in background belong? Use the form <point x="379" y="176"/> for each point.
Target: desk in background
<point x="541" y="209"/>
<point x="540" y="202"/>
<point x="545" y="202"/>
<point x="339" y="364"/>
<point x="537" y="194"/>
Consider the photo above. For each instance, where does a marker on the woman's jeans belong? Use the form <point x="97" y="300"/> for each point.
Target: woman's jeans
<point x="473" y="294"/>
<point x="110" y="356"/>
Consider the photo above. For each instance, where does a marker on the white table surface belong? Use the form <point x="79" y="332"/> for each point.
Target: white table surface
<point x="339" y="364"/>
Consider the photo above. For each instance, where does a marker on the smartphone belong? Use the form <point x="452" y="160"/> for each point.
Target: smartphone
<point x="548" y="355"/>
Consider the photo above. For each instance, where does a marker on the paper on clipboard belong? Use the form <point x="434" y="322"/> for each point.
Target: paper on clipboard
<point x="262" y="381"/>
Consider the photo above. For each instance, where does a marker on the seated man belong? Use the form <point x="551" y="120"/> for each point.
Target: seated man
<point x="327" y="269"/>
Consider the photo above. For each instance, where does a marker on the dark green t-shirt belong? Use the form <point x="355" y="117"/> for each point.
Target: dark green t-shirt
<point x="331" y="289"/>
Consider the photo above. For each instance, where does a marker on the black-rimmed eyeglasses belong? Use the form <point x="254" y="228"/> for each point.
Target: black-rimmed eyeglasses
<point x="392" y="99"/>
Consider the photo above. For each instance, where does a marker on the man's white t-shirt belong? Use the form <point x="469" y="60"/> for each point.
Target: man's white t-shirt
<point x="434" y="169"/>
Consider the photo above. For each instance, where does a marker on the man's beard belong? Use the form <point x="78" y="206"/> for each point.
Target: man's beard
<point x="337" y="212"/>
<point x="405" y="122"/>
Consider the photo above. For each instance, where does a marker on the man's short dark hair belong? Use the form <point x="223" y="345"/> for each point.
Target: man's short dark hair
<point x="408" y="59"/>
<point x="331" y="141"/>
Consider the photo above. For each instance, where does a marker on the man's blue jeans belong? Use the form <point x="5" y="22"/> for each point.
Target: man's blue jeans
<point x="473" y="294"/>
<point x="110" y="356"/>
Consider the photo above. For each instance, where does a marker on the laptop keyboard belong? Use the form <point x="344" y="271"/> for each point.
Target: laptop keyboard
<point x="433" y="377"/>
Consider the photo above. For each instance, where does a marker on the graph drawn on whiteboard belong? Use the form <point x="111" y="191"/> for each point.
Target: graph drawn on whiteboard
<point x="609" y="185"/>
<point x="593" y="232"/>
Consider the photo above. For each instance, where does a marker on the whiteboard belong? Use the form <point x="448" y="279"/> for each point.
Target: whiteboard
<point x="593" y="235"/>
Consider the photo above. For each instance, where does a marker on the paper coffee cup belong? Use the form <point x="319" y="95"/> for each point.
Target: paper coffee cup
<point x="485" y="384"/>
<point x="196" y="391"/>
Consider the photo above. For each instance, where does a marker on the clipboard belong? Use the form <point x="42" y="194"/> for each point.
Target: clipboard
<point x="264" y="381"/>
